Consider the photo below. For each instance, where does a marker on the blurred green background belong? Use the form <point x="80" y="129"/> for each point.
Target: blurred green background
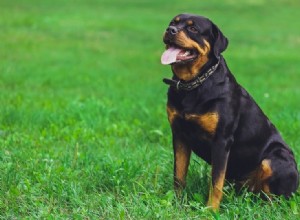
<point x="83" y="128"/>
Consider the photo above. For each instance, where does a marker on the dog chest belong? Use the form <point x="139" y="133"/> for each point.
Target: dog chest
<point x="206" y="122"/>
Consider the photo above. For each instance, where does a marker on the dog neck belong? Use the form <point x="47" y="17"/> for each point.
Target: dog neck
<point x="195" y="82"/>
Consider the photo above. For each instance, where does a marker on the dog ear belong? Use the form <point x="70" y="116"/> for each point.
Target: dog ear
<point x="220" y="41"/>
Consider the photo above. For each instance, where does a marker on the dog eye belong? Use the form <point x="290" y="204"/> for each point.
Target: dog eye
<point x="192" y="29"/>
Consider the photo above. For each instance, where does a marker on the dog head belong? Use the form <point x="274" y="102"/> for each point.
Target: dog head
<point x="191" y="42"/>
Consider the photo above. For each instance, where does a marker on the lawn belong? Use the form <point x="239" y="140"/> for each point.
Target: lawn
<point x="83" y="127"/>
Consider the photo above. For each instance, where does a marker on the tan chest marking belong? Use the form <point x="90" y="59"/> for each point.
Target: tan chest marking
<point x="172" y="114"/>
<point x="208" y="121"/>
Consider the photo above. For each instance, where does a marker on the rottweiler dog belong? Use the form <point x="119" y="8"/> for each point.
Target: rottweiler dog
<point x="213" y="116"/>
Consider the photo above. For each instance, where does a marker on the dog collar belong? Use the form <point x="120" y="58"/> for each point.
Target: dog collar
<point x="194" y="83"/>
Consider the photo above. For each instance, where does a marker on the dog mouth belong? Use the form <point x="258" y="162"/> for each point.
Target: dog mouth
<point x="178" y="55"/>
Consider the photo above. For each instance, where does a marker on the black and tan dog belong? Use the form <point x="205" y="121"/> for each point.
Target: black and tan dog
<point x="213" y="116"/>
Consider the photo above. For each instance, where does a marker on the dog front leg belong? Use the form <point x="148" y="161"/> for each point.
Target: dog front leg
<point x="219" y="166"/>
<point x="182" y="155"/>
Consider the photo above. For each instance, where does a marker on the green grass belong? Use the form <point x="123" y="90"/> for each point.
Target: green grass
<point x="83" y="128"/>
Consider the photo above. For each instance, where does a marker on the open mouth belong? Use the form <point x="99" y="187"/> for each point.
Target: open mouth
<point x="177" y="55"/>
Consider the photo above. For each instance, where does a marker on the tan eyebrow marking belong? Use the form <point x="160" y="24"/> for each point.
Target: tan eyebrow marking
<point x="189" y="22"/>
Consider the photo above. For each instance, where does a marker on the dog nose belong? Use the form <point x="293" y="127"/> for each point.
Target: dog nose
<point x="172" y="30"/>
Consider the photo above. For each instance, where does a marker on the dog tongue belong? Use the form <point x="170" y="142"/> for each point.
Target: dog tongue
<point x="169" y="56"/>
